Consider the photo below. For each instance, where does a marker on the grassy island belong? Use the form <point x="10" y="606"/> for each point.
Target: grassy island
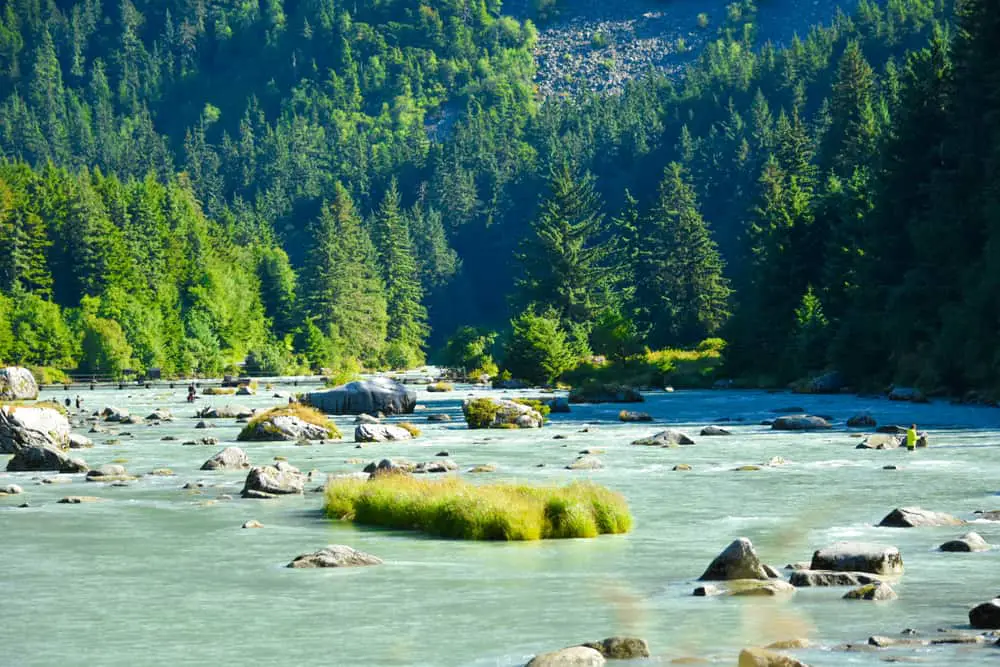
<point x="456" y="509"/>
<point x="303" y="412"/>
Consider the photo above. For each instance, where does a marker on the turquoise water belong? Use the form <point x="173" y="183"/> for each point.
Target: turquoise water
<point x="157" y="574"/>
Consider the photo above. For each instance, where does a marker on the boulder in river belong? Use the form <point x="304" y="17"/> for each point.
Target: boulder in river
<point x="986" y="616"/>
<point x="367" y="419"/>
<point x="908" y="394"/>
<point x="365" y="397"/>
<point x="762" y="657"/>
<point x="915" y="517"/>
<point x="109" y="473"/>
<point x="858" y="557"/>
<point x="272" y="481"/>
<point x="39" y="457"/>
<point x="737" y="561"/>
<point x="159" y="415"/>
<point x="862" y="420"/>
<point x="630" y="416"/>
<point x="668" y="438"/>
<point x="437" y="467"/>
<point x="827" y="383"/>
<point x="224" y="412"/>
<point x="891" y="429"/>
<point x="746" y="588"/>
<point x="31" y="426"/>
<point x="621" y="648"/>
<point x="230" y="458"/>
<point x="586" y="462"/>
<point x="17" y="384"/>
<point x="576" y="656"/>
<point x="800" y="423"/>
<point x="335" y="555"/>
<point x="291" y="423"/>
<point x="971" y="541"/>
<point x="605" y="393"/>
<point x="77" y="441"/>
<point x="877" y="591"/>
<point x="714" y="431"/>
<point x="822" y="578"/>
<point x="500" y="413"/>
<point x="114" y="414"/>
<point x="380" y="433"/>
<point x="881" y="441"/>
<point x="438" y="418"/>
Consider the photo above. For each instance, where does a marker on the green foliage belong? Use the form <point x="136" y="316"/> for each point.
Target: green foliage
<point x="680" y="368"/>
<point x="303" y="412"/>
<point x="480" y="413"/>
<point x="471" y="349"/>
<point x="615" y="336"/>
<point x="104" y="348"/>
<point x="537" y="349"/>
<point x="455" y="509"/>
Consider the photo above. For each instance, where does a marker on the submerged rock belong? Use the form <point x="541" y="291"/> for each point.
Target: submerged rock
<point x="109" y="473"/>
<point x="737" y="561"/>
<point x="746" y="588"/>
<point x="800" y="423"/>
<point x="77" y="441"/>
<point x="630" y="417"/>
<point x="605" y="393"/>
<point x="714" y="431"/>
<point x="435" y="467"/>
<point x="881" y="441"/>
<point x="31" y="426"/>
<point x="439" y="418"/>
<point x="621" y="648"/>
<point x="814" y="578"/>
<point x="668" y="438"/>
<point x="877" y="591"/>
<point x="252" y="523"/>
<point x="576" y="656"/>
<point x="365" y="397"/>
<point x="78" y="500"/>
<point x="907" y="394"/>
<point x="37" y="457"/>
<point x="272" y="481"/>
<point x="230" y="458"/>
<point x="367" y="419"/>
<point x="586" y="462"/>
<point x="760" y="657"/>
<point x="380" y="433"/>
<point x="858" y="557"/>
<point x="224" y="412"/>
<point x="915" y="517"/>
<point x="335" y="555"/>
<point x="971" y="541"/>
<point x="17" y="384"/>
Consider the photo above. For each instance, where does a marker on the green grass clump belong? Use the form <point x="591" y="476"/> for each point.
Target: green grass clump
<point x="218" y="391"/>
<point x="413" y="430"/>
<point x="542" y="408"/>
<point x="440" y="387"/>
<point x="685" y="369"/>
<point x="303" y="412"/>
<point x="481" y="412"/>
<point x="453" y="508"/>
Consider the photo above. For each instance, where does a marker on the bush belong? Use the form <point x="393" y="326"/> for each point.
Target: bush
<point x="49" y="375"/>
<point x="440" y="387"/>
<point x="481" y="412"/>
<point x="471" y="349"/>
<point x="453" y="508"/>
<point x="303" y="412"/>
<point x="703" y="20"/>
<point x="400" y="356"/>
<point x="538" y="349"/>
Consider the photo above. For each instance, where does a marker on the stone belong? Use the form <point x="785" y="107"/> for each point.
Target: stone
<point x="113" y="414"/>
<point x="438" y="418"/>
<point x="202" y="424"/>
<point x="109" y="473"/>
<point x="681" y="467"/>
<point x="230" y="458"/>
<point x="279" y="428"/>
<point x="668" y="438"/>
<point x="11" y="490"/>
<point x="252" y="523"/>
<point x="380" y="433"/>
<point x="132" y="419"/>
<point x="605" y="393"/>
<point x="986" y="616"/>
<point x="737" y="561"/>
<point x="435" y="467"/>
<point x="877" y="591"/>
<point x="862" y="420"/>
<point x="31" y="426"/>
<point x="389" y="467"/>
<point x="486" y="467"/>
<point x="577" y="656"/>
<point x="77" y="441"/>
<point x="17" y="384"/>
<point x="38" y="457"/>
<point x="365" y="397"/>
<point x="202" y="441"/>
<point x="271" y="481"/>
<point x="915" y="517"/>
<point x="788" y="644"/>
<point x="500" y="413"/>
<point x="367" y="419"/>
<point x="971" y="541"/>
<point x="586" y="462"/>
<point x="815" y="578"/>
<point x="159" y="415"/>
<point x="881" y="441"/>
<point x="746" y="588"/>
<point x="714" y="431"/>
<point x="335" y="555"/>
<point x="800" y="423"/>
<point x="78" y="500"/>
<point x="828" y="383"/>
<point x="245" y="390"/>
<point x="621" y="648"/>
<point x="908" y="394"/>
<point x="760" y="657"/>
<point x="556" y="404"/>
<point x="224" y="412"/>
<point x="858" y="557"/>
<point x="631" y="417"/>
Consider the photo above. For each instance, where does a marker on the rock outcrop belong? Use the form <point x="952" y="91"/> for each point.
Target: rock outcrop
<point x="335" y="555"/>
<point x="709" y="431"/>
<point x="822" y="578"/>
<point x="876" y="591"/>
<point x="31" y="426"/>
<point x="500" y="413"/>
<point x="971" y="541"/>
<point x="668" y="438"/>
<point x="621" y="648"/>
<point x="230" y="458"/>
<point x="17" y="384"/>
<point x="858" y="557"/>
<point x="39" y="457"/>
<point x="800" y="423"/>
<point x="271" y="481"/>
<point x="738" y="561"/>
<point x="631" y="416"/>
<point x="380" y="433"/>
<point x="285" y="428"/>
<point x="365" y="397"/>
<point x="915" y="517"/>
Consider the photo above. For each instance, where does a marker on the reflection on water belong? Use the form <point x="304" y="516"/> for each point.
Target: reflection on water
<point x="156" y="574"/>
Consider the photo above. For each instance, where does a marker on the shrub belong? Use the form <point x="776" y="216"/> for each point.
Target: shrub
<point x="440" y="387"/>
<point x="481" y="412"/>
<point x="407" y="426"/>
<point x="541" y="407"/>
<point x="471" y="349"/>
<point x="303" y="412"/>
<point x="538" y="349"/>
<point x="218" y="391"/>
<point x="453" y="508"/>
<point x="703" y="20"/>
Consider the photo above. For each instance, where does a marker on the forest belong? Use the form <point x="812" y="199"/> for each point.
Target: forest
<point x="316" y="184"/>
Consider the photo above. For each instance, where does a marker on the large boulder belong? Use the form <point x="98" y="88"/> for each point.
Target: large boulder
<point x="500" y="413"/>
<point x="800" y="423"/>
<point x="828" y="383"/>
<point x="907" y="394"/>
<point x="280" y="479"/>
<point x="230" y="458"/>
<point x="17" y="384"/>
<point x="586" y="462"/>
<point x="31" y="426"/>
<point x="737" y="561"/>
<point x="365" y="397"/>
<point x="762" y="657"/>
<point x="876" y="591"/>
<point x="605" y="393"/>
<point x="285" y="427"/>
<point x="43" y="457"/>
<point x="621" y="648"/>
<point x="631" y="416"/>
<point x="858" y="557"/>
<point x="576" y="656"/>
<point x="668" y="438"/>
<point x="915" y="517"/>
<point x="380" y="433"/>
<point x="969" y="542"/>
<point x="816" y="578"/>
<point x="225" y="412"/>
<point x="881" y="441"/>
<point x="114" y="414"/>
<point x="709" y="431"/>
<point x="986" y="616"/>
<point x="335" y="555"/>
<point x="862" y="420"/>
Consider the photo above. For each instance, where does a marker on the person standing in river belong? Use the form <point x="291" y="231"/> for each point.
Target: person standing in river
<point x="911" y="438"/>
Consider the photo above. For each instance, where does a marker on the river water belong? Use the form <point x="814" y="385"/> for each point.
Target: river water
<point x="159" y="575"/>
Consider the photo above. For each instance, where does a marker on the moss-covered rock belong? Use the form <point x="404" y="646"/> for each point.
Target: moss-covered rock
<point x="483" y="413"/>
<point x="289" y="423"/>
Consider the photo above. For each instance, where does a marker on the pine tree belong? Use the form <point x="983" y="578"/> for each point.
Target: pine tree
<point x="679" y="280"/>
<point x="563" y="260"/>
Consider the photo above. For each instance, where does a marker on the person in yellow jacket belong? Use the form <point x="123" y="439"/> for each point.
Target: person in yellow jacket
<point x="911" y="437"/>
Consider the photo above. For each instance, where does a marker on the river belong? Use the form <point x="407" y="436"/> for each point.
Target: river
<point x="160" y="575"/>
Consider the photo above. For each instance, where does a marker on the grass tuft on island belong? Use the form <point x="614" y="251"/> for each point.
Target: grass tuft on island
<point x="455" y="509"/>
<point x="303" y="412"/>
